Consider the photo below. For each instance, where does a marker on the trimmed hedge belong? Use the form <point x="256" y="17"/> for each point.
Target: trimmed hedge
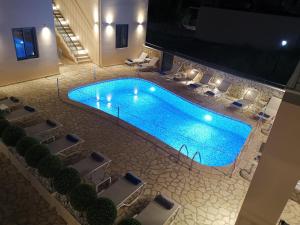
<point x="49" y="166"/>
<point x="102" y="212"/>
<point x="12" y="134"/>
<point x="82" y="197"/>
<point x="3" y="124"/>
<point x="24" y="144"/>
<point x="66" y="180"/>
<point x="35" y="154"/>
<point x="130" y="221"/>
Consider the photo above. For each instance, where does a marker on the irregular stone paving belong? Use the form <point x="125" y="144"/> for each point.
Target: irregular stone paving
<point x="207" y="196"/>
<point x="20" y="204"/>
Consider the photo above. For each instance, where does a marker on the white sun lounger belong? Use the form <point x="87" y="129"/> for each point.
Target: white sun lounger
<point x="43" y="127"/>
<point x="92" y="163"/>
<point x="248" y="99"/>
<point x="174" y="72"/>
<point x="200" y="82"/>
<point x="63" y="144"/>
<point x="270" y="111"/>
<point x="149" y="66"/>
<point x="10" y="102"/>
<point x="125" y="191"/>
<point x="159" y="212"/>
<point x="220" y="90"/>
<point x="21" y="114"/>
<point x="139" y="60"/>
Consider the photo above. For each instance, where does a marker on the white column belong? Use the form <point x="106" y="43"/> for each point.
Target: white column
<point x="279" y="168"/>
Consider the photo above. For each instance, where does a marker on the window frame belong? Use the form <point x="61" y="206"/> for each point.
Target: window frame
<point x="34" y="42"/>
<point x="127" y="36"/>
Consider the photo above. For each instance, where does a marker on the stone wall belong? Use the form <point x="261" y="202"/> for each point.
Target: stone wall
<point x="240" y="85"/>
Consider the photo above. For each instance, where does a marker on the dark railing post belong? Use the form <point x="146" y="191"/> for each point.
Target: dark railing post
<point x="118" y="115"/>
<point x="57" y="86"/>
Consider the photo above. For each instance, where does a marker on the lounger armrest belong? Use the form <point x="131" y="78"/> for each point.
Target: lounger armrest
<point x="164" y="202"/>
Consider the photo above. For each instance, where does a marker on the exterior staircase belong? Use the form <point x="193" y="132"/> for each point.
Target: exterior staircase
<point x="78" y="52"/>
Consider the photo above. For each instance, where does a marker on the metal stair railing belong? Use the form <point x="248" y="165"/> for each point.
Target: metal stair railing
<point x="193" y="159"/>
<point x="180" y="150"/>
<point x="66" y="36"/>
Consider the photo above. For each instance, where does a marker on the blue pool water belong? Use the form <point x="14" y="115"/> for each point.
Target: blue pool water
<point x="168" y="117"/>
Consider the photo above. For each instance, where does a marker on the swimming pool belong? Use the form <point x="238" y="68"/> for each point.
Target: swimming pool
<point x="168" y="117"/>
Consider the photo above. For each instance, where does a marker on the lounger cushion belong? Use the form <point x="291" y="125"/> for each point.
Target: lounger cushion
<point x="210" y="93"/>
<point x="95" y="156"/>
<point x="132" y="179"/>
<point x="238" y="104"/>
<point x="29" y="109"/>
<point x="167" y="204"/>
<point x="264" y="115"/>
<point x="14" y="99"/>
<point x="72" y="138"/>
<point x="51" y="123"/>
<point x="194" y="85"/>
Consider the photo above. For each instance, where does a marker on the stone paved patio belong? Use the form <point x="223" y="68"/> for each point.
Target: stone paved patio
<point x="207" y="196"/>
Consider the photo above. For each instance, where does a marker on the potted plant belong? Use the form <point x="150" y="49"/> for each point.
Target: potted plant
<point x="102" y="212"/>
<point x="82" y="197"/>
<point x="66" y="180"/>
<point x="3" y="124"/>
<point x="130" y="221"/>
<point x="35" y="154"/>
<point x="12" y="134"/>
<point x="24" y="144"/>
<point x="49" y="166"/>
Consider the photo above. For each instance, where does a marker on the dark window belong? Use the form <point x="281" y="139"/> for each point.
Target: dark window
<point x="25" y="43"/>
<point x="121" y="35"/>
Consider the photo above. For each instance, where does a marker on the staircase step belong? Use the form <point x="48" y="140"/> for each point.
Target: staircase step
<point x="65" y="31"/>
<point x="84" y="61"/>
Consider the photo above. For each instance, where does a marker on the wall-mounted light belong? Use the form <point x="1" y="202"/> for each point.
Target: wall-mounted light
<point x="284" y="43"/>
<point x="107" y="24"/>
<point x="46" y="34"/>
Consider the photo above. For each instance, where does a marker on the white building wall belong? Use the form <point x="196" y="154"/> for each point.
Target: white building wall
<point x="21" y="14"/>
<point x="131" y="12"/>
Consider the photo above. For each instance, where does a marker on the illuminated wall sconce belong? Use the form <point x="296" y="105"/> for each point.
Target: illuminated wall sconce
<point x="141" y="23"/>
<point x="107" y="24"/>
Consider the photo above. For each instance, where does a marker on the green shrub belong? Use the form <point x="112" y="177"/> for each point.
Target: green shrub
<point x="49" y="166"/>
<point x="24" y="144"/>
<point x="12" y="134"/>
<point x="35" y="154"/>
<point x="102" y="212"/>
<point x="130" y="221"/>
<point x="82" y="197"/>
<point x="66" y="180"/>
<point x="3" y="124"/>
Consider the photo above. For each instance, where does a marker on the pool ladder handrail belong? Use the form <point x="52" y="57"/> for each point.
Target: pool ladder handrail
<point x="180" y="150"/>
<point x="193" y="159"/>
